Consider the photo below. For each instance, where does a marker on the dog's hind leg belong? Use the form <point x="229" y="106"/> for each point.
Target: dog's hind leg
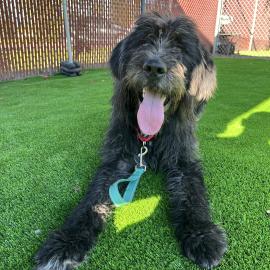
<point x="67" y="247"/>
<point x="202" y="241"/>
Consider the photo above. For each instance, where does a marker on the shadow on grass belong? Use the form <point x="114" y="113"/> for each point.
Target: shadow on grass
<point x="257" y="129"/>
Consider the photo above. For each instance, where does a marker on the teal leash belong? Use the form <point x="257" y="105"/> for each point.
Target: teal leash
<point x="133" y="181"/>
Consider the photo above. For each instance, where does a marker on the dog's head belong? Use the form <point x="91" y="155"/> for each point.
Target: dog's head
<point x="162" y="62"/>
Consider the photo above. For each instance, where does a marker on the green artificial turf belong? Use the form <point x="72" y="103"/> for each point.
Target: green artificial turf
<point x="50" y="135"/>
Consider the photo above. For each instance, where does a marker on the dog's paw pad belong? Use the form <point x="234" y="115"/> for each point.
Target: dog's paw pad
<point x="205" y="246"/>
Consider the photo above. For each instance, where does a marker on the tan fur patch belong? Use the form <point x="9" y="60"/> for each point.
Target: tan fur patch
<point x="179" y="78"/>
<point x="179" y="70"/>
<point x="102" y="209"/>
<point x="179" y="81"/>
<point x="203" y="82"/>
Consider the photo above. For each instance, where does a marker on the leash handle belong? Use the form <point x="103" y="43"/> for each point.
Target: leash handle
<point x="133" y="181"/>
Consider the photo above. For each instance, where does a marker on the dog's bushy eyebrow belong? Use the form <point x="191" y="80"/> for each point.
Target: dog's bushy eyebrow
<point x="150" y="22"/>
<point x="182" y="25"/>
<point x="181" y="29"/>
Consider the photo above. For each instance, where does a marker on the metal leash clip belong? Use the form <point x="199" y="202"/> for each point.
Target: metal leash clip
<point x="143" y="152"/>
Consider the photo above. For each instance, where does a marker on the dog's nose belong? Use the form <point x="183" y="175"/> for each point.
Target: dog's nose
<point x="154" y="67"/>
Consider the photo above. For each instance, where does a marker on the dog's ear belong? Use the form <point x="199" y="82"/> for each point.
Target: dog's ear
<point x="115" y="59"/>
<point x="203" y="78"/>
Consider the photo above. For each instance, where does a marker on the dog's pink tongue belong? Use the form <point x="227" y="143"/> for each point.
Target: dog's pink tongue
<point x="150" y="115"/>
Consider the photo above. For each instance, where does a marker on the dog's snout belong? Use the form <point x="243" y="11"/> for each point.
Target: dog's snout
<point x="154" y="67"/>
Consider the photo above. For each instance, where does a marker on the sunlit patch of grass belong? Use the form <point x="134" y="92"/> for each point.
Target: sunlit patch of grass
<point x="263" y="53"/>
<point x="235" y="127"/>
<point x="135" y="211"/>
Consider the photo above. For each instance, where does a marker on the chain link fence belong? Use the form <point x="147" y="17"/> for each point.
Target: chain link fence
<point x="33" y="41"/>
<point x="243" y="28"/>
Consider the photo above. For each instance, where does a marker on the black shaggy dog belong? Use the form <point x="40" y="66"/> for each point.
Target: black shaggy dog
<point x="162" y="71"/>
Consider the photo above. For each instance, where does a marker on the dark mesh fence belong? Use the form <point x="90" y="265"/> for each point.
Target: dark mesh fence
<point x="32" y="37"/>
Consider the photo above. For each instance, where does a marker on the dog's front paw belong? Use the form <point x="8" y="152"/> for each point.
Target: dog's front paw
<point x="59" y="253"/>
<point x="205" y="246"/>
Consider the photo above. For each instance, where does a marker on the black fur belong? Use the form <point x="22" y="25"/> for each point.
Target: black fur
<point x="174" y="150"/>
